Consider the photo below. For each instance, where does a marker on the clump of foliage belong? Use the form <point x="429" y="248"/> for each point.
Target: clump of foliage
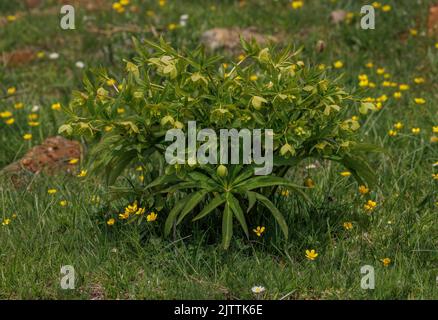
<point x="163" y="89"/>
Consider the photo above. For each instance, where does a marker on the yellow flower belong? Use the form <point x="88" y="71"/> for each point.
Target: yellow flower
<point x="386" y="8"/>
<point x="162" y="3"/>
<point x="363" y="189"/>
<point x="309" y="183"/>
<point x="120" y="110"/>
<point x="33" y="124"/>
<point x="259" y="231"/>
<point x="386" y="262"/>
<point x="311" y="254"/>
<point x="241" y="57"/>
<point x="124" y="2"/>
<point x="413" y="32"/>
<point x="63" y="203"/>
<point x="10" y="121"/>
<point x="40" y="54"/>
<point x="398" y="125"/>
<point x="296" y="4"/>
<point x="345" y="173"/>
<point x="11" y="18"/>
<point x="19" y="105"/>
<point x="370" y="205"/>
<point x="403" y="87"/>
<point x="338" y="64"/>
<point x="380" y="71"/>
<point x="140" y="211"/>
<point x="32" y="116"/>
<point x="355" y="118"/>
<point x="415" y="130"/>
<point x="82" y="174"/>
<point x="435" y="129"/>
<point x="435" y="176"/>
<point x="419" y="80"/>
<point x="321" y="66"/>
<point x="348" y="225"/>
<point x="111" y="82"/>
<point x="111" y="222"/>
<point x="376" y="5"/>
<point x="420" y="101"/>
<point x="171" y="26"/>
<point x="397" y="95"/>
<point x="56" y="106"/>
<point x="6" y="222"/>
<point x="73" y="161"/>
<point x="123" y="216"/>
<point x="11" y="91"/>
<point x="285" y="193"/>
<point x="369" y="65"/>
<point x="151" y="217"/>
<point x="392" y="133"/>
<point x="253" y="77"/>
<point x="433" y="139"/>
<point x="436" y="45"/>
<point x="27" y="136"/>
<point x="5" y="114"/>
<point x="52" y="191"/>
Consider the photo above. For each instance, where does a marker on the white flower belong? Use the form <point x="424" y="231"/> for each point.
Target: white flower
<point x="54" y="55"/>
<point x="258" y="289"/>
<point x="35" y="108"/>
<point x="183" y="20"/>
<point x="80" y="64"/>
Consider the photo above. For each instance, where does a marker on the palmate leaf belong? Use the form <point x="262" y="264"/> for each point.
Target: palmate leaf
<point x="227" y="226"/>
<point x="275" y="212"/>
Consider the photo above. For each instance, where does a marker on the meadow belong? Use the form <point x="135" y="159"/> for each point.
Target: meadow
<point x="58" y="220"/>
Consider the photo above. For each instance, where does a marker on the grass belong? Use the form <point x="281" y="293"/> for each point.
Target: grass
<point x="133" y="262"/>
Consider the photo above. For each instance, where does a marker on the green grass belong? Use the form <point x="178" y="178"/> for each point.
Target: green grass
<point x="130" y="261"/>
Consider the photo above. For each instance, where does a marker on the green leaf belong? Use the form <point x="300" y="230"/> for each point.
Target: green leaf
<point x="227" y="226"/>
<point x="275" y="212"/>
<point x="216" y="202"/>
<point x="172" y="216"/>
<point x="193" y="201"/>
<point x="238" y="212"/>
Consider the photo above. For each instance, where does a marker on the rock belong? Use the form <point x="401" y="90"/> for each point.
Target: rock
<point x="51" y="157"/>
<point x="338" y="16"/>
<point x="432" y="22"/>
<point x="229" y="38"/>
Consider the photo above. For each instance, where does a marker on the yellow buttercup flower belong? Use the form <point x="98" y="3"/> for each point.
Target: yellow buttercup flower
<point x="11" y="18"/>
<point x="311" y="254"/>
<point x="397" y="95"/>
<point x="151" y="217"/>
<point x="376" y="5"/>
<point x="11" y="91"/>
<point x="19" y="105"/>
<point x="6" y="222"/>
<point x="348" y="225"/>
<point x="33" y="124"/>
<point x="435" y="176"/>
<point x="82" y="174"/>
<point x="404" y="87"/>
<point x="435" y="129"/>
<point x="111" y="221"/>
<point x="124" y="2"/>
<point x="297" y="4"/>
<point x="5" y="114"/>
<point x="124" y="216"/>
<point x="10" y="121"/>
<point x="420" y="101"/>
<point x="56" y="106"/>
<point x="386" y="8"/>
<point x="363" y="189"/>
<point x="73" y="161"/>
<point x="253" y="77"/>
<point x="63" y="203"/>
<point x="259" y="231"/>
<point x="386" y="262"/>
<point x="162" y="3"/>
<point x="370" y="205"/>
<point x="392" y="133"/>
<point x="419" y="80"/>
<point x="415" y="130"/>
<point x="52" y="191"/>
<point x="338" y="64"/>
<point x="398" y="125"/>
<point x="111" y="82"/>
<point x="171" y="26"/>
<point x="27" y="136"/>
<point x="413" y="32"/>
<point x="345" y="173"/>
<point x="369" y="65"/>
<point x="380" y="71"/>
